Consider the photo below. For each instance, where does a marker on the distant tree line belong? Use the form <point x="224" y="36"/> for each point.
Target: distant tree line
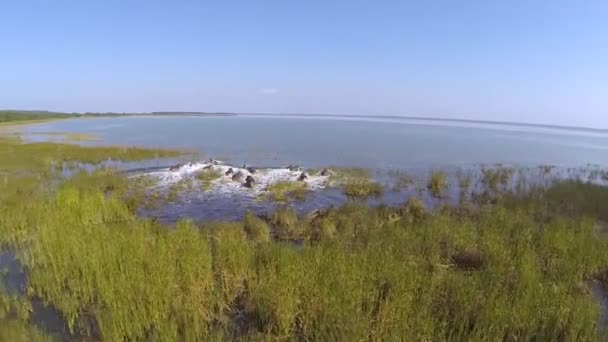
<point x="23" y="115"/>
<point x="17" y="115"/>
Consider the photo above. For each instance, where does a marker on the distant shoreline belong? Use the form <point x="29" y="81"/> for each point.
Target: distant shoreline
<point x="435" y="119"/>
<point x="335" y="116"/>
<point x="392" y="117"/>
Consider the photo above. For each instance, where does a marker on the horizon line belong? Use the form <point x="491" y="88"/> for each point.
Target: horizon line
<point x="387" y="116"/>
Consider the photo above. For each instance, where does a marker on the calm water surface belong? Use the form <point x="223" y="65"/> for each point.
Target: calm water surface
<point x="366" y="142"/>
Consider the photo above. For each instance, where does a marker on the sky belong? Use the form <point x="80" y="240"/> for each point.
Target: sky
<point x="525" y="61"/>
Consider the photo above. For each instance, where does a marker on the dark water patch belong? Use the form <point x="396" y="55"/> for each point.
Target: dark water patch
<point x="44" y="317"/>
<point x="600" y="293"/>
<point x="13" y="277"/>
<point x="49" y="319"/>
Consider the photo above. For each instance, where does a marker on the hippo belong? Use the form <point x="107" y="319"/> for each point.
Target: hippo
<point x="303" y="177"/>
<point x="251" y="170"/>
<point x="176" y="167"/>
<point x="229" y="172"/>
<point x="249" y="181"/>
<point x="208" y="167"/>
<point x="294" y="168"/>
<point x="237" y="177"/>
<point x="325" y="172"/>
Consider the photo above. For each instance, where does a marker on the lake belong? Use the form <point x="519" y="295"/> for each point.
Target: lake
<point x="378" y="143"/>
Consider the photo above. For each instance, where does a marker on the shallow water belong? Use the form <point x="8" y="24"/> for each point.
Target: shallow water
<point x="381" y="144"/>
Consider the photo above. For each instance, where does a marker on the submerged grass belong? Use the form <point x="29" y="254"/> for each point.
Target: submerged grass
<point x="282" y="191"/>
<point x="516" y="270"/>
<point x="438" y="183"/>
<point x="362" y="188"/>
<point x="207" y="176"/>
<point x="342" y="175"/>
<point x="497" y="179"/>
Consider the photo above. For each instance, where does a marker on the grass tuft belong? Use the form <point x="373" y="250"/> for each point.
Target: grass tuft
<point x="438" y="183"/>
<point x="207" y="176"/>
<point x="362" y="188"/>
<point x="281" y="191"/>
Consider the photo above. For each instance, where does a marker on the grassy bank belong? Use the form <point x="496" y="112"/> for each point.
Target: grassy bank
<point x="515" y="269"/>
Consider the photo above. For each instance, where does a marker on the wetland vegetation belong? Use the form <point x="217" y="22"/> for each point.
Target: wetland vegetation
<point x="281" y="191"/>
<point x="510" y="265"/>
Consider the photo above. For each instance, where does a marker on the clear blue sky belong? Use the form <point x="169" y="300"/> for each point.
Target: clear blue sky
<point x="530" y="61"/>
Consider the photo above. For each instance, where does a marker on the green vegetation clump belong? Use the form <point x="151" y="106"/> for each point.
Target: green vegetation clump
<point x="256" y="228"/>
<point x="356" y="182"/>
<point x="286" y="224"/>
<point x="281" y="191"/>
<point x="207" y="176"/>
<point x="438" y="183"/>
<point x="30" y="116"/>
<point x="415" y="208"/>
<point x="362" y="188"/>
<point x="35" y="157"/>
<point x="343" y="175"/>
<point x="496" y="180"/>
<point x="515" y="270"/>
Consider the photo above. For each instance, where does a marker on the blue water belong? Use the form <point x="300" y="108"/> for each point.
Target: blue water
<point x="366" y="142"/>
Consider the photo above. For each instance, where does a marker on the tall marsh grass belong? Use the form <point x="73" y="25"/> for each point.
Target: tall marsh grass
<point x="349" y="273"/>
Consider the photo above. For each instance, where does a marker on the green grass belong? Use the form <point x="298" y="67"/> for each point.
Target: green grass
<point x="207" y="177"/>
<point x="255" y="228"/>
<point x="341" y="175"/>
<point x="362" y="188"/>
<point x="34" y="157"/>
<point x="282" y="191"/>
<point x="514" y="270"/>
<point x="497" y="179"/>
<point x="437" y="184"/>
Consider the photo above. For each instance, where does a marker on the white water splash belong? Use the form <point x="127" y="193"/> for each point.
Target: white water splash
<point x="263" y="177"/>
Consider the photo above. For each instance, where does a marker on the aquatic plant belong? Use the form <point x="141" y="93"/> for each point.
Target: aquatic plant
<point x="281" y="191"/>
<point x="362" y="188"/>
<point x="437" y="184"/>
<point x="341" y="175"/>
<point x="207" y="176"/>
<point x="497" y="179"/>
